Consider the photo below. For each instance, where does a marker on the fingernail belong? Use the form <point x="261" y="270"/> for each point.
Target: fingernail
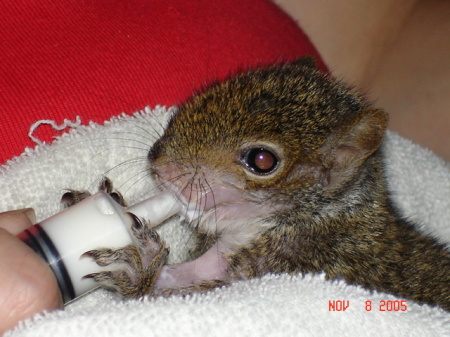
<point x="28" y="212"/>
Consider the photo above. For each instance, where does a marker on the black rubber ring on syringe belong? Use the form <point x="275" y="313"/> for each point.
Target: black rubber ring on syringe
<point x="38" y="240"/>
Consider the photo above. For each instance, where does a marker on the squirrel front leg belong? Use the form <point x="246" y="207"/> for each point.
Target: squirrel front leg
<point x="202" y="274"/>
<point x="141" y="270"/>
<point x="134" y="268"/>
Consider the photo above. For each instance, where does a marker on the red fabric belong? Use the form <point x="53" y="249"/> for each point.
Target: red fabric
<point x="96" y="58"/>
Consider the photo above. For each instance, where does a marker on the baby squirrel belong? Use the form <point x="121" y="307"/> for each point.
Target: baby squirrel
<point x="283" y="166"/>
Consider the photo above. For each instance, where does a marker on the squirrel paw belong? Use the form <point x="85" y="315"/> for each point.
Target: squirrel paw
<point x="73" y="197"/>
<point x="135" y="269"/>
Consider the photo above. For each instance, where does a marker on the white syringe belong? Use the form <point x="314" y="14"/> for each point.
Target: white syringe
<point x="95" y="222"/>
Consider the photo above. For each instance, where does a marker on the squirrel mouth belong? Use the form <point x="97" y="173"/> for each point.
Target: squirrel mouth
<point x="208" y="196"/>
<point x="223" y="199"/>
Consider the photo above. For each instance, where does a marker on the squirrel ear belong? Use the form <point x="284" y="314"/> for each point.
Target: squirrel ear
<point x="364" y="135"/>
<point x="308" y="61"/>
<point x="348" y="148"/>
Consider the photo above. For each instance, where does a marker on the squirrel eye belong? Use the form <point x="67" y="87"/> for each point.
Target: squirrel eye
<point x="260" y="160"/>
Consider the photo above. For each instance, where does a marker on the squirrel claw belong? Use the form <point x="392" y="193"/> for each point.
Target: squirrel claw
<point x="134" y="268"/>
<point x="72" y="197"/>
<point x="92" y="275"/>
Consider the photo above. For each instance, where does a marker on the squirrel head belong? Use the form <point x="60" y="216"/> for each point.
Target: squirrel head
<point x="275" y="134"/>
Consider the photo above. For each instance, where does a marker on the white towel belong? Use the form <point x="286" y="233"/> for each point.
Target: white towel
<point x="275" y="305"/>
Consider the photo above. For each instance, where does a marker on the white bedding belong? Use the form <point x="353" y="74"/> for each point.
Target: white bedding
<point x="272" y="306"/>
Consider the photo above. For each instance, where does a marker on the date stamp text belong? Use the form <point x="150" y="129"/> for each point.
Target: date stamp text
<point x="344" y="305"/>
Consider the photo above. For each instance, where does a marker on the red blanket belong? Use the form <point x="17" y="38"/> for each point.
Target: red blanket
<point x="96" y="59"/>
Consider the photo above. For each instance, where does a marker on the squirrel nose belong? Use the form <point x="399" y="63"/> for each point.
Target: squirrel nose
<point x="154" y="152"/>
